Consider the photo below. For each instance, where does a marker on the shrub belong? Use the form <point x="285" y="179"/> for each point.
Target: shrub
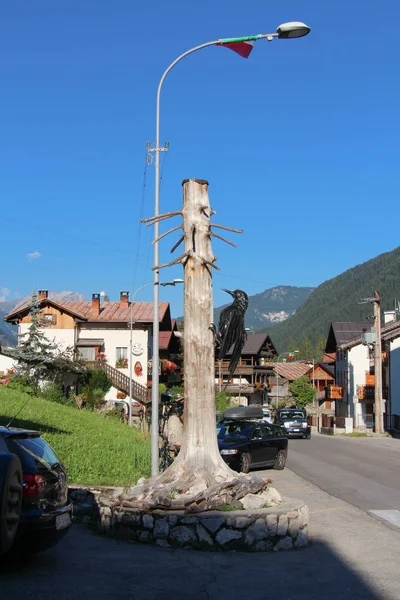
<point x="96" y="378"/>
<point x="95" y="398"/>
<point x="53" y="393"/>
<point x="21" y="383"/>
<point x="222" y="401"/>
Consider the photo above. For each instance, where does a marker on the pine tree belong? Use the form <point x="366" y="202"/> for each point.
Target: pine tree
<point x="38" y="358"/>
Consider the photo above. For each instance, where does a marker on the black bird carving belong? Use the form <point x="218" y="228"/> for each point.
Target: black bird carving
<point x="231" y="334"/>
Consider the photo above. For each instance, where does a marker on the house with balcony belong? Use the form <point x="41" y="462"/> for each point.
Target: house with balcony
<point x="250" y="382"/>
<point x="100" y="333"/>
<point x="355" y="373"/>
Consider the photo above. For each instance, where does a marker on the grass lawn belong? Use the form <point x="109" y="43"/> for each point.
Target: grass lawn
<point x="95" y="449"/>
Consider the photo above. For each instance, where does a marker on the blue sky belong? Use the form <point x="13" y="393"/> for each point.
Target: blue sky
<point x="299" y="142"/>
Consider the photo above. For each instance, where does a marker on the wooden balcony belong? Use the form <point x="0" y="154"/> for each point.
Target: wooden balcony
<point x="236" y="389"/>
<point x="334" y="392"/>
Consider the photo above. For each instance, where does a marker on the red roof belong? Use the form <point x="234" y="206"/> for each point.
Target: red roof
<point x="329" y="357"/>
<point x="164" y="339"/>
<point x="292" y="371"/>
<point x="142" y="312"/>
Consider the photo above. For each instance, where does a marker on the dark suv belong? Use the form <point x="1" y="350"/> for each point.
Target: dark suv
<point x="294" y="422"/>
<point x="39" y="514"/>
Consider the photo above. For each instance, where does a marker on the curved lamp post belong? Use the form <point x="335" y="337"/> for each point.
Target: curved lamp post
<point x="276" y="379"/>
<point x="163" y="283"/>
<point x="293" y="29"/>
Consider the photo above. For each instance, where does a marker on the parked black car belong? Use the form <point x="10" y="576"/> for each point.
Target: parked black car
<point x="294" y="421"/>
<point x="246" y="441"/>
<point x="35" y="511"/>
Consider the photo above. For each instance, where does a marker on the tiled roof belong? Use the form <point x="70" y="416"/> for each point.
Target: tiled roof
<point x="142" y="312"/>
<point x="291" y="371"/>
<point x="164" y="339"/>
<point x="348" y="330"/>
<point x="390" y="331"/>
<point x="329" y="357"/>
<point x="254" y="343"/>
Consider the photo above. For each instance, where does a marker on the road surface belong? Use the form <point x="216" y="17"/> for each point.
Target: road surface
<point x="365" y="472"/>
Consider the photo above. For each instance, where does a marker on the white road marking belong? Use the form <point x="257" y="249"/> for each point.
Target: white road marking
<point x="392" y="516"/>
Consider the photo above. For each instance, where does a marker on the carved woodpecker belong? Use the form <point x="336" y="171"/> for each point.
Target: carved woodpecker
<point x="231" y="335"/>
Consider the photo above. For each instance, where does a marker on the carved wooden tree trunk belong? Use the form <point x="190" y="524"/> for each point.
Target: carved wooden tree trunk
<point x="199" y="456"/>
<point x="198" y="479"/>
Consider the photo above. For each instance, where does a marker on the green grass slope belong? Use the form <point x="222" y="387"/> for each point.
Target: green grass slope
<point x="95" y="449"/>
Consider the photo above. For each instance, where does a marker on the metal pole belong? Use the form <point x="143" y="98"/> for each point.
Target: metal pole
<point x="157" y="150"/>
<point x="130" y="352"/>
<point x="156" y="325"/>
<point x="378" y="366"/>
<point x="130" y="367"/>
<point x="313" y="382"/>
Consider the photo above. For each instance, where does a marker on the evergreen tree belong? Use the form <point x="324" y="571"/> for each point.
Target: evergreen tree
<point x="38" y="358"/>
<point x="320" y="348"/>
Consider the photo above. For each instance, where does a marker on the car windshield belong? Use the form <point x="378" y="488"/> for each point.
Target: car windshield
<point x="291" y="414"/>
<point x="234" y="431"/>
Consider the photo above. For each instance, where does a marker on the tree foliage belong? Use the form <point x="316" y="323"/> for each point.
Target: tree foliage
<point x="302" y="391"/>
<point x="222" y="401"/>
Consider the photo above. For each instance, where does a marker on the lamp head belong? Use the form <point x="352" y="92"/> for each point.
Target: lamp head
<point x="293" y="29"/>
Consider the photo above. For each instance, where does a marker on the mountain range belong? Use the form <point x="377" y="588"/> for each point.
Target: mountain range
<point x="346" y="297"/>
<point x="272" y="306"/>
<point x="294" y="315"/>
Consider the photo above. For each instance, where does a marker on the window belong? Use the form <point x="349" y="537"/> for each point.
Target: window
<point x="257" y="433"/>
<point x="33" y="452"/>
<point x="87" y="353"/>
<point x="121" y="357"/>
<point x="48" y="319"/>
<point x="269" y="430"/>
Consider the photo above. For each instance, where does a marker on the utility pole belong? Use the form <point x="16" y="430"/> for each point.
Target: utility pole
<point x="378" y="365"/>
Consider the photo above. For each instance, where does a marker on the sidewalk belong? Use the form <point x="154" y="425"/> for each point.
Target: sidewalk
<point x="366" y="545"/>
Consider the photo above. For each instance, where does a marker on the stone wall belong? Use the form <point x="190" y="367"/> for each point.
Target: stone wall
<point x="277" y="528"/>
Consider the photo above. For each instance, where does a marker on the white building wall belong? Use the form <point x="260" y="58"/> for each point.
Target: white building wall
<point x="113" y="338"/>
<point x="351" y="366"/>
<point x="394" y="377"/>
<point x="62" y="337"/>
<point x="6" y="363"/>
<point x="120" y="338"/>
<point x="358" y="365"/>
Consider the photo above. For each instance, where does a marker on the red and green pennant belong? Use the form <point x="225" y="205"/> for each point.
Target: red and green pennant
<point x="242" y="45"/>
<point x="290" y="355"/>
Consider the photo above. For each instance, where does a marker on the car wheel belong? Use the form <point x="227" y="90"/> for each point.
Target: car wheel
<point x="10" y="499"/>
<point x="280" y="461"/>
<point x="308" y="437"/>
<point x="245" y="463"/>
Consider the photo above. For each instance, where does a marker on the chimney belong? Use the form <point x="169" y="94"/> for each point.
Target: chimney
<point x="43" y="294"/>
<point x="95" y="305"/>
<point x="124" y="299"/>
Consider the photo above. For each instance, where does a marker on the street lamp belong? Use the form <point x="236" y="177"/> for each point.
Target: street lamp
<point x="285" y="31"/>
<point x="276" y="377"/>
<point x="163" y="283"/>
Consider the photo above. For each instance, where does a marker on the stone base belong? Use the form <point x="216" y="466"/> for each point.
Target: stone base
<point x="277" y="528"/>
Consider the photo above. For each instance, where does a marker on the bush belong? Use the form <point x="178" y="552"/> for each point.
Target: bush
<point x="96" y="378"/>
<point x="222" y="401"/>
<point x="95" y="398"/>
<point x="53" y="393"/>
<point x="21" y="383"/>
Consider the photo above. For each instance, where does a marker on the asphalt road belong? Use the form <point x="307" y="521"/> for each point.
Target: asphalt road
<point x="365" y="472"/>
